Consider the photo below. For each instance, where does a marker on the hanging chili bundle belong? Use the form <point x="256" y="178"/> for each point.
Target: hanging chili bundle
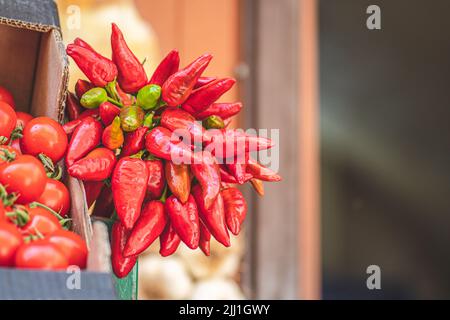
<point x="159" y="152"/>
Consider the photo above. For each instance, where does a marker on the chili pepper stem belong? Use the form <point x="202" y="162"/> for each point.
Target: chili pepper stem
<point x="112" y="91"/>
<point x="3" y="140"/>
<point x="114" y="216"/>
<point x="164" y="195"/>
<point x="148" y="120"/>
<point x="117" y="103"/>
<point x="38" y="204"/>
<point x="138" y="155"/>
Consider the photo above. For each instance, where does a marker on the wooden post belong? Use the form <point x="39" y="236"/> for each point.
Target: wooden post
<point x="309" y="160"/>
<point x="279" y="47"/>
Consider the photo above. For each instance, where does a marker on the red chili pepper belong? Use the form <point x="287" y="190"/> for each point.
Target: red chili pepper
<point x="148" y="227"/>
<point x="134" y="142"/>
<point x="108" y="112"/>
<point x="203" y="81"/>
<point x="184" y="219"/>
<point x="238" y="172"/>
<point x="238" y="168"/>
<point x="178" y="119"/>
<point x="104" y="206"/>
<point x="96" y="166"/>
<point x="169" y="241"/>
<point x="207" y="174"/>
<point x="81" y="87"/>
<point x="126" y="99"/>
<point x="98" y="69"/>
<point x="226" y="177"/>
<point x="214" y="217"/>
<point x="112" y="137"/>
<point x="80" y="42"/>
<point x="120" y="264"/>
<point x="156" y="179"/>
<point x="205" y="240"/>
<point x="223" y="110"/>
<point x="89" y="113"/>
<point x="204" y="96"/>
<point x="168" y="66"/>
<point x="160" y="144"/>
<point x="70" y="127"/>
<point x="261" y="172"/>
<point x="236" y="142"/>
<point x="92" y="189"/>
<point x="258" y="185"/>
<point x="235" y="209"/>
<point x="179" y="86"/>
<point x="189" y="110"/>
<point x="129" y="186"/>
<point x="73" y="107"/>
<point x="132" y="75"/>
<point x="178" y="179"/>
<point x="85" y="138"/>
<point x="227" y="122"/>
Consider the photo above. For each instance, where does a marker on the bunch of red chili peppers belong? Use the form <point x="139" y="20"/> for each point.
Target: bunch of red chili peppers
<point x="148" y="149"/>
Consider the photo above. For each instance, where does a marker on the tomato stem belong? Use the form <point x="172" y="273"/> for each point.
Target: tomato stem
<point x="53" y="171"/>
<point x="38" y="233"/>
<point x="21" y="216"/>
<point x="38" y="204"/>
<point x="64" y="223"/>
<point x="17" y="133"/>
<point x="7" y="155"/>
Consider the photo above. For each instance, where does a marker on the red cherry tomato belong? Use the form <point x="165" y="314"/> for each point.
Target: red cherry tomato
<point x="41" y="222"/>
<point x="7" y="97"/>
<point x="44" y="135"/>
<point x="25" y="176"/>
<point x="23" y="118"/>
<point x="10" y="240"/>
<point x="7" y="150"/>
<point x="56" y="196"/>
<point x="71" y="244"/>
<point x="8" y="119"/>
<point x="40" y="254"/>
<point x="2" y="212"/>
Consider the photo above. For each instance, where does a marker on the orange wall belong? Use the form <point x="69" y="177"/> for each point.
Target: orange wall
<point x="195" y="27"/>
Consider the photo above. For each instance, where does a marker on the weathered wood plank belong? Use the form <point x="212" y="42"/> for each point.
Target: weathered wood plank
<point x="272" y="102"/>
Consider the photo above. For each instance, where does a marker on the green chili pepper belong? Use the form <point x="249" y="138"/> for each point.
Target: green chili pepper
<point x="148" y="96"/>
<point x="131" y="117"/>
<point x="213" y="122"/>
<point x="93" y="98"/>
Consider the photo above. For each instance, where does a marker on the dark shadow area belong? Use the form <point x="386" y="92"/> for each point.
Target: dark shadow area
<point x="385" y="148"/>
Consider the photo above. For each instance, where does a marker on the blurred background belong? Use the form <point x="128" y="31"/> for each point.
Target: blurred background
<point x="364" y="141"/>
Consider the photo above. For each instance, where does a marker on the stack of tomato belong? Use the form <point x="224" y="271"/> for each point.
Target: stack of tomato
<point x="33" y="204"/>
<point x="148" y="149"/>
